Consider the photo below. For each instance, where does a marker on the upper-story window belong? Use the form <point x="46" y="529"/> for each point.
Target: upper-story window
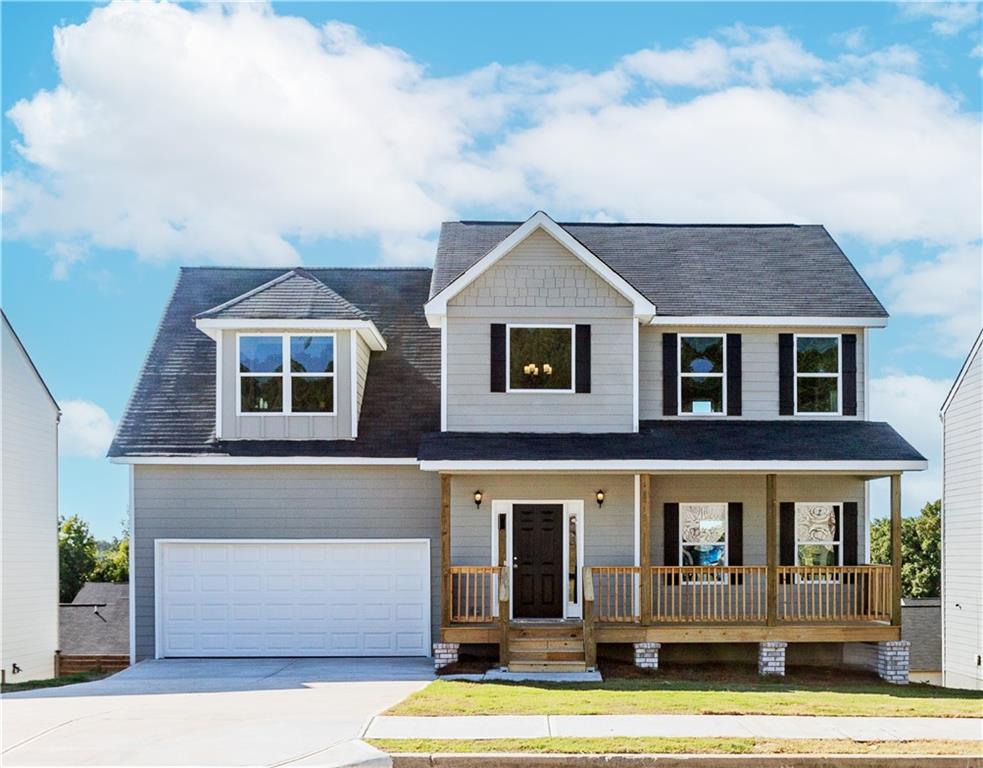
<point x="306" y="386"/>
<point x="703" y="534"/>
<point x="701" y="374"/>
<point x="817" y="374"/>
<point x="817" y="534"/>
<point x="540" y="358"/>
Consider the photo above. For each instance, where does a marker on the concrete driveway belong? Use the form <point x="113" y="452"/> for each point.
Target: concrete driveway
<point x="204" y="712"/>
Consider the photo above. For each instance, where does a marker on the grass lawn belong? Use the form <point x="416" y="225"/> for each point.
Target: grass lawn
<point x="711" y="689"/>
<point x="53" y="682"/>
<point x="626" y="746"/>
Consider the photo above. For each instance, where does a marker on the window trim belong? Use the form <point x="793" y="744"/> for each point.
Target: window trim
<point x="286" y="375"/>
<point x="808" y="375"/>
<point x="726" y="542"/>
<point x="573" y="358"/>
<point x="838" y="543"/>
<point x="680" y="375"/>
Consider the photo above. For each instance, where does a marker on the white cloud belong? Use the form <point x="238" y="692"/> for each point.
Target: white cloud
<point x="947" y="289"/>
<point x="911" y="405"/>
<point x="224" y="133"/>
<point x="852" y="39"/>
<point x="85" y="429"/>
<point x="948" y="18"/>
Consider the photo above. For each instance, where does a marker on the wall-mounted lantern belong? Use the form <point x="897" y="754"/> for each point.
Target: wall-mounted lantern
<point x="600" y="498"/>
<point x="477" y="499"/>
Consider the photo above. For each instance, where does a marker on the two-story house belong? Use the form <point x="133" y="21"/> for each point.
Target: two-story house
<point x="561" y="439"/>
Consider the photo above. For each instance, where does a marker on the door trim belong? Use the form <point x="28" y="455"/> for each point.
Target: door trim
<point x="158" y="571"/>
<point x="571" y="507"/>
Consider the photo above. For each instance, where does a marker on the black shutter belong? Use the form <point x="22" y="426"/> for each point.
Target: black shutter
<point x="497" y="362"/>
<point x="786" y="374"/>
<point x="848" y="348"/>
<point x="670" y="540"/>
<point x="851" y="524"/>
<point x="786" y="533"/>
<point x="583" y="358"/>
<point x="733" y="374"/>
<point x="670" y="404"/>
<point x="735" y="533"/>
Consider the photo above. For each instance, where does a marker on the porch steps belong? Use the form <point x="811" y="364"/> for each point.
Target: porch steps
<point x="547" y="648"/>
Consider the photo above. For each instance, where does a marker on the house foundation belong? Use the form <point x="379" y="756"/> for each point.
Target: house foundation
<point x="893" y="657"/>
<point x="771" y="658"/>
<point x="647" y="655"/>
<point x="445" y="654"/>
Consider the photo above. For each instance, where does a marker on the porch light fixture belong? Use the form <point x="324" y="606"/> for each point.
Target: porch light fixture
<point x="477" y="499"/>
<point x="599" y="495"/>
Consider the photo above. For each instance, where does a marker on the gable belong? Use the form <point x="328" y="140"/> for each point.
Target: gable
<point x="539" y="271"/>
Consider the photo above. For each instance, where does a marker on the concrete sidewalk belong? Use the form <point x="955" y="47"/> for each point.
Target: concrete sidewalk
<point x="724" y="726"/>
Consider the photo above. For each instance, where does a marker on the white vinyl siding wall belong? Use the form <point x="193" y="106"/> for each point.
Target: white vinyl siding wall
<point x="29" y="503"/>
<point x="962" y="568"/>
<point x="539" y="282"/>
<point x="759" y="365"/>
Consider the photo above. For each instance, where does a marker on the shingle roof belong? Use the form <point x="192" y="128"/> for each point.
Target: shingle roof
<point x="294" y="295"/>
<point x="172" y="409"/>
<point x="699" y="269"/>
<point x="684" y="440"/>
<point x="103" y="628"/>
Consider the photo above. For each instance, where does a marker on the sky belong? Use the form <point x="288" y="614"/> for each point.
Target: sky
<point x="137" y="138"/>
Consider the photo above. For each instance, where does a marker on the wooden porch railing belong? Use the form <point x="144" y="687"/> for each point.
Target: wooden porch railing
<point x="835" y="594"/>
<point x="473" y="591"/>
<point x="709" y="594"/>
<point x="739" y="594"/>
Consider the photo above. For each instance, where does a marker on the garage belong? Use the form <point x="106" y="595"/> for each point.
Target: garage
<point x="299" y="597"/>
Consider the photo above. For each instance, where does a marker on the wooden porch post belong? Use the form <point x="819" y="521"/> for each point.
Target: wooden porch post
<point x="645" y="546"/>
<point x="771" y="547"/>
<point x="896" y="550"/>
<point x="445" y="550"/>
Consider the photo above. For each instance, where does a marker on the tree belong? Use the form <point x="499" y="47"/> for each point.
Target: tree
<point x="113" y="563"/>
<point x="921" y="550"/>
<point x="76" y="556"/>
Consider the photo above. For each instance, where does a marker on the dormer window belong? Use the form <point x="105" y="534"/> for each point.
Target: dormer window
<point x="308" y="387"/>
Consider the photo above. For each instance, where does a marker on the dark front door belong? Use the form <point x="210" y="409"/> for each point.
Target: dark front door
<point x="537" y="554"/>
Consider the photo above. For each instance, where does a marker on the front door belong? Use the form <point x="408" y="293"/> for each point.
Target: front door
<point x="537" y="557"/>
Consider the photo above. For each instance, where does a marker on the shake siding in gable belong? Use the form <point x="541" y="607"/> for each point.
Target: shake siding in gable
<point x="539" y="282"/>
<point x="187" y="502"/>
<point x="963" y="524"/>
<point x="759" y="359"/>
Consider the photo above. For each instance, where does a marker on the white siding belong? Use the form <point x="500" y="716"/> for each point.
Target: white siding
<point x="759" y="368"/>
<point x="28" y="518"/>
<point x="962" y="574"/>
<point x="539" y="282"/>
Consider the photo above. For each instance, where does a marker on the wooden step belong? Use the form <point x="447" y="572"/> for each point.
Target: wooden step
<point x="532" y="656"/>
<point x="547" y="666"/>
<point x="556" y="631"/>
<point x="545" y="644"/>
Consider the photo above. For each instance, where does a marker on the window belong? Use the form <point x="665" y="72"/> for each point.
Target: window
<point x="817" y="534"/>
<point x="540" y="358"/>
<point x="701" y="374"/>
<point x="308" y="386"/>
<point x="817" y="374"/>
<point x="703" y="534"/>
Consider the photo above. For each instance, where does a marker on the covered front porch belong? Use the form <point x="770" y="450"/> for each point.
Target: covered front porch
<point x="660" y="558"/>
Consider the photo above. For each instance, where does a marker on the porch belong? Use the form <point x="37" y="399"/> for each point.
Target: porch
<point x="767" y="602"/>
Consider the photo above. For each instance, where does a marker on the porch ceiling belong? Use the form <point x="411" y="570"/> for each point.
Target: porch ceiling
<point x="861" y="447"/>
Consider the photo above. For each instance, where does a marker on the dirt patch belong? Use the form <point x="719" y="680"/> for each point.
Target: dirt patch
<point x="735" y="673"/>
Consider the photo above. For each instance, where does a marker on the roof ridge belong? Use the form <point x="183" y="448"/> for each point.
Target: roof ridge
<point x="230" y="267"/>
<point x="706" y="225"/>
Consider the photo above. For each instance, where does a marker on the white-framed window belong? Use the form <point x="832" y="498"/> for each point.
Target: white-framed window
<point x="702" y="363"/>
<point x="305" y="386"/>
<point x="703" y="534"/>
<point x="818" y="365"/>
<point x="540" y="358"/>
<point x="818" y="533"/>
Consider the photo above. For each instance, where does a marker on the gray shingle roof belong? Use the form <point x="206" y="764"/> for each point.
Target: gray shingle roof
<point x="698" y="269"/>
<point x="295" y="295"/>
<point x="172" y="409"/>
<point x="85" y="629"/>
<point x="684" y="440"/>
<point x="102" y="592"/>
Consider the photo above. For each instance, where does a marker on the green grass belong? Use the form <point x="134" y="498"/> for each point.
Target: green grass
<point x="661" y="694"/>
<point x="53" y="682"/>
<point x="652" y="745"/>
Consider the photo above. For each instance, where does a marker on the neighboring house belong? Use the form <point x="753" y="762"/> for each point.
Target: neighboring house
<point x="962" y="526"/>
<point x="561" y="438"/>
<point x="94" y="629"/>
<point x="28" y="516"/>
<point x="921" y="625"/>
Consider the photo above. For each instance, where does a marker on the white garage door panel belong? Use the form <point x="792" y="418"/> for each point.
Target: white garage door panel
<point x="293" y="598"/>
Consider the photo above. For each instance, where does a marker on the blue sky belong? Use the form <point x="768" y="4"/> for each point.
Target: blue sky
<point x="139" y="138"/>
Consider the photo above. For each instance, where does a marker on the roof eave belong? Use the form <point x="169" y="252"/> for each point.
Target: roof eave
<point x="213" y="326"/>
<point x="808" y="321"/>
